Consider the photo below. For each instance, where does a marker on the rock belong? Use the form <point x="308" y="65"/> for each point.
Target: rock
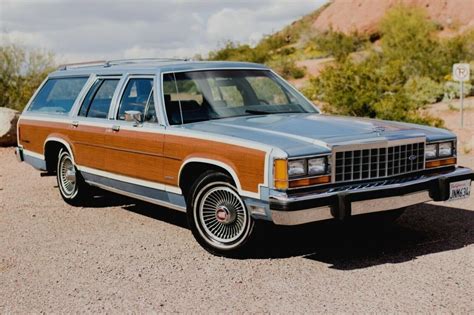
<point x="364" y="16"/>
<point x="8" y="121"/>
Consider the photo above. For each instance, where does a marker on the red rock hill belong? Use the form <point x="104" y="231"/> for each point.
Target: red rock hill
<point x="363" y="16"/>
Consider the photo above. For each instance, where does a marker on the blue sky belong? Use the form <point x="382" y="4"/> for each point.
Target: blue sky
<point x="85" y="30"/>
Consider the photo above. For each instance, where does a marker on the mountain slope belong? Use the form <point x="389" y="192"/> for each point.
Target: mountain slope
<point x="363" y="16"/>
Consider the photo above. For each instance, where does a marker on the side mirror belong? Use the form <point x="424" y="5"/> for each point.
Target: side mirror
<point x="134" y="116"/>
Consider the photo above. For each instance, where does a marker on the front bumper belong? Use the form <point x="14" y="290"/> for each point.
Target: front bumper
<point x="287" y="210"/>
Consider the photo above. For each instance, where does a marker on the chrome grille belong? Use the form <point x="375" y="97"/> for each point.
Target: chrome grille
<point x="378" y="162"/>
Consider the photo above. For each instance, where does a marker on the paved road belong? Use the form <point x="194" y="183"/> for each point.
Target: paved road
<point x="119" y="255"/>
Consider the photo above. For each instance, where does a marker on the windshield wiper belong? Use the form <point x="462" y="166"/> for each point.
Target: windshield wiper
<point x="262" y="112"/>
<point x="257" y="112"/>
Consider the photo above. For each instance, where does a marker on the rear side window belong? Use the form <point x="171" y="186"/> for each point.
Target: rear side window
<point x="98" y="99"/>
<point x="57" y="95"/>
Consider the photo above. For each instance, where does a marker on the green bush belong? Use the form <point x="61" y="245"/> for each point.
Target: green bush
<point x="423" y="90"/>
<point x="271" y="51"/>
<point x="21" y="72"/>
<point x="337" y="44"/>
<point x="286" y="67"/>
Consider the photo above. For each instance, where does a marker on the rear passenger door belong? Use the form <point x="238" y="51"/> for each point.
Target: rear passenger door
<point x="92" y="121"/>
<point x="135" y="149"/>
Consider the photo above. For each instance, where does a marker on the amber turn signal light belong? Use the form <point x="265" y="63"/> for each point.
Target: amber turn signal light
<point x="281" y="174"/>
<point x="438" y="163"/>
<point x="310" y="181"/>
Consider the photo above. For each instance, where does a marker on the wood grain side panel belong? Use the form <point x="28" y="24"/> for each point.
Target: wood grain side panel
<point x="86" y="142"/>
<point x="149" y="156"/>
<point x="134" y="153"/>
<point x="248" y="164"/>
<point x="34" y="133"/>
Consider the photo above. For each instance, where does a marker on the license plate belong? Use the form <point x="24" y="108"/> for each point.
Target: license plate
<point x="459" y="190"/>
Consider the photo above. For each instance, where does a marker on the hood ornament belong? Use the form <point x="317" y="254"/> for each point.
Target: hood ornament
<point x="378" y="129"/>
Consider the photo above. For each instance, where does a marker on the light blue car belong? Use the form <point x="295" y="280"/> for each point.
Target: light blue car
<point x="229" y="144"/>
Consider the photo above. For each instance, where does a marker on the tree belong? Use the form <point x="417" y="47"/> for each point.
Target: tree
<point x="21" y="72"/>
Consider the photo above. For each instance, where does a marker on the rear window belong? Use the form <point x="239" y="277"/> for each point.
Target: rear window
<point x="58" y="95"/>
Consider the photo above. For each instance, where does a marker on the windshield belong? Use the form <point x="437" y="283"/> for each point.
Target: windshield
<point x="216" y="94"/>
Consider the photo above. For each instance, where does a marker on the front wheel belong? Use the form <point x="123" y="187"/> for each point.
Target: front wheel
<point x="72" y="187"/>
<point x="217" y="215"/>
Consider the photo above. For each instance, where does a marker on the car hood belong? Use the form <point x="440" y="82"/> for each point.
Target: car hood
<point x="300" y="134"/>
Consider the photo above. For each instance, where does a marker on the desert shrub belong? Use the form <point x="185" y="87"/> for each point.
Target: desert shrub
<point x="21" y="72"/>
<point x="371" y="89"/>
<point x="286" y="67"/>
<point x="451" y="90"/>
<point x="408" y="36"/>
<point x="271" y="51"/>
<point x="235" y="52"/>
<point x="423" y="90"/>
<point x="337" y="44"/>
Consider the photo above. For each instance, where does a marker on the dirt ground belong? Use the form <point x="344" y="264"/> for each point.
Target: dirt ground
<point x="122" y="256"/>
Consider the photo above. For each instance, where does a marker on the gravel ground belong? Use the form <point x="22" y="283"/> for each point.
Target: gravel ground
<point x="123" y="256"/>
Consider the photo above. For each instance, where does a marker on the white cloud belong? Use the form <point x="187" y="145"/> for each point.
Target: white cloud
<point x="27" y="39"/>
<point x="88" y="29"/>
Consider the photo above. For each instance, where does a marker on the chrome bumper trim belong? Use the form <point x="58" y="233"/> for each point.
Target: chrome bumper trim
<point x="326" y="209"/>
<point x="390" y="203"/>
<point x="19" y="154"/>
<point x="301" y="216"/>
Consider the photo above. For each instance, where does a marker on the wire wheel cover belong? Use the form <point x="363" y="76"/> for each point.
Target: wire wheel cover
<point x="222" y="214"/>
<point x="67" y="176"/>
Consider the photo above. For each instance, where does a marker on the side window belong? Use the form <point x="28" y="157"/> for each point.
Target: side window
<point x="58" y="95"/>
<point x="98" y="99"/>
<point x="135" y="97"/>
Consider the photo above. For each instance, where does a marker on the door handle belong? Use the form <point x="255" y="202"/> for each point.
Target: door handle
<point x="115" y="127"/>
<point x="75" y="123"/>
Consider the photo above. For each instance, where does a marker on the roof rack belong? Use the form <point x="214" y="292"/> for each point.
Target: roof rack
<point x="109" y="63"/>
<point x="81" y="64"/>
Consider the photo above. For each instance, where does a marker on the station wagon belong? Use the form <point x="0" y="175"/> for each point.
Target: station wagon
<point x="230" y="144"/>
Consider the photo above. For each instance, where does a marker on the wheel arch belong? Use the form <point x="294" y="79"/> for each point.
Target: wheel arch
<point x="51" y="148"/>
<point x="192" y="168"/>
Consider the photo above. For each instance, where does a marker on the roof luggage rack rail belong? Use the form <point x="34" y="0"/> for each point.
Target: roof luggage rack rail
<point x="109" y="63"/>
<point x="81" y="64"/>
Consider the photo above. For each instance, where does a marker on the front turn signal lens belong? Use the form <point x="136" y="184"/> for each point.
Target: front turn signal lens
<point x="310" y="181"/>
<point x="280" y="173"/>
<point x="438" y="163"/>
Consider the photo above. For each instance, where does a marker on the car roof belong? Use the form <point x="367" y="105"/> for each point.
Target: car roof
<point x="148" y="66"/>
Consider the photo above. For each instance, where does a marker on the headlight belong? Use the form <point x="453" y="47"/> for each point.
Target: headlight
<point x="439" y="150"/>
<point x="431" y="151"/>
<point x="445" y="149"/>
<point x="317" y="166"/>
<point x="296" y="168"/>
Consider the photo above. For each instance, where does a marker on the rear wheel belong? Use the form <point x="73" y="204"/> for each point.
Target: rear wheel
<point x="217" y="215"/>
<point x="72" y="187"/>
